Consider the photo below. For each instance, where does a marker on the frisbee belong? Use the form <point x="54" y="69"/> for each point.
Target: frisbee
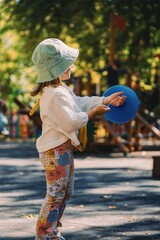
<point x="125" y="112"/>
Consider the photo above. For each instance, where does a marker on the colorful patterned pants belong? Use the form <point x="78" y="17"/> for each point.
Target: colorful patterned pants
<point x="59" y="168"/>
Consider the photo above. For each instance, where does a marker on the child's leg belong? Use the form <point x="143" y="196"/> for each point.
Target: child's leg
<point x="69" y="192"/>
<point x="58" y="164"/>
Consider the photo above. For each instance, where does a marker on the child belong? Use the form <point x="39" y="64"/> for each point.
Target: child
<point x="62" y="114"/>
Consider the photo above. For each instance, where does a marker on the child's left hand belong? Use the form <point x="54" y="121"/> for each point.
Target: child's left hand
<point x="115" y="99"/>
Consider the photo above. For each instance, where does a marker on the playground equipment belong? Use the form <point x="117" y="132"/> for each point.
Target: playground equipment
<point x="127" y="136"/>
<point x="3" y="120"/>
<point x="24" y="116"/>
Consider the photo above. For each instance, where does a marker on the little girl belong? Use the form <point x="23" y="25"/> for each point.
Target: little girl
<point x="62" y="114"/>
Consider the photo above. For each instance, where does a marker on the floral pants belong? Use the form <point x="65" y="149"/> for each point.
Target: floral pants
<point x="59" y="168"/>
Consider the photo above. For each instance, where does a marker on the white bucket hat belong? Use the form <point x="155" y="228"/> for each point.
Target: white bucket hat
<point x="52" y="58"/>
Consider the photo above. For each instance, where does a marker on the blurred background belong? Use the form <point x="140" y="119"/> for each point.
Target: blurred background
<point x="119" y="43"/>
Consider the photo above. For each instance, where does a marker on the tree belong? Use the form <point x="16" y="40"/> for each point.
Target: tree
<point x="85" y="24"/>
<point x="14" y="69"/>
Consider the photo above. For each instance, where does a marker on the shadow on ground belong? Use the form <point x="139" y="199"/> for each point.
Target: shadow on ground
<point x="113" y="191"/>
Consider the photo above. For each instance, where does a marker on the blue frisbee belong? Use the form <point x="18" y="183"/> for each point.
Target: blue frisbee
<point x="125" y="112"/>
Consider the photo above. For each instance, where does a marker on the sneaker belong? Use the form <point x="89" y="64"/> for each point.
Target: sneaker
<point x="55" y="237"/>
<point x="59" y="235"/>
<point x="61" y="238"/>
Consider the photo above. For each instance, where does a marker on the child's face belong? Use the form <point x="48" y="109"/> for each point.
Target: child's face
<point x="67" y="74"/>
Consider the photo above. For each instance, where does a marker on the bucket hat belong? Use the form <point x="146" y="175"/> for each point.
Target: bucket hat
<point x="52" y="58"/>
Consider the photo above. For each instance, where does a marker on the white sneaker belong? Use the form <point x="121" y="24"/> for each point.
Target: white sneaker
<point x="57" y="237"/>
<point x="61" y="238"/>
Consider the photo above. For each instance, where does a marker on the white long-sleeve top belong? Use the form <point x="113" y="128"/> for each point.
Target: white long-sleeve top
<point x="62" y="114"/>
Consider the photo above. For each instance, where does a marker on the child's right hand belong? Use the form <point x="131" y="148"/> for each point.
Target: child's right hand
<point x="98" y="110"/>
<point x="102" y="109"/>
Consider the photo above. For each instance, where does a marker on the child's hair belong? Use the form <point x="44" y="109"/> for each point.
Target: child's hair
<point x="39" y="88"/>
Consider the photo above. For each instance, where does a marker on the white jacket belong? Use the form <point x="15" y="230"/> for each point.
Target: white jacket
<point x="62" y="114"/>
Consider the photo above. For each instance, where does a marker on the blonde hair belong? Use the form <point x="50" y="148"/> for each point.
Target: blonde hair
<point x="39" y="88"/>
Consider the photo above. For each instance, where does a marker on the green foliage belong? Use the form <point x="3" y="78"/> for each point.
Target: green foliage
<point x="84" y="23"/>
<point x="88" y="23"/>
<point x="91" y="130"/>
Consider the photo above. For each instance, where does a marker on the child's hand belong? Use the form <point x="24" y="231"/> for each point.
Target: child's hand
<point x="115" y="99"/>
<point x="98" y="110"/>
<point x="101" y="109"/>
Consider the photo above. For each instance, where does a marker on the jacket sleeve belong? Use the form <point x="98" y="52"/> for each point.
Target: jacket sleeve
<point x="64" y="114"/>
<point x="87" y="103"/>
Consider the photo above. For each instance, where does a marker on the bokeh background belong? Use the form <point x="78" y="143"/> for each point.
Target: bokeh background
<point x="118" y="42"/>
